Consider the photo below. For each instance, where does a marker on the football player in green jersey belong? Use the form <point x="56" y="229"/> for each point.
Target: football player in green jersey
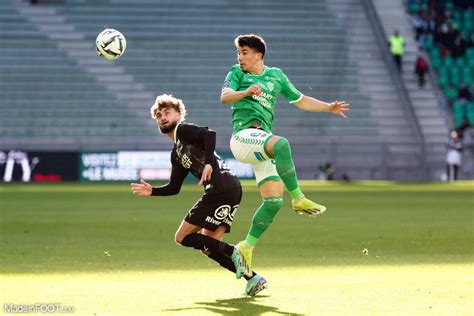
<point x="252" y="88"/>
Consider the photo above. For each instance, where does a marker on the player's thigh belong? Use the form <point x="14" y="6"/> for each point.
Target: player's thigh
<point x="185" y="229"/>
<point x="271" y="188"/>
<point x="248" y="145"/>
<point x="217" y="234"/>
<point x="215" y="209"/>
<point x="264" y="172"/>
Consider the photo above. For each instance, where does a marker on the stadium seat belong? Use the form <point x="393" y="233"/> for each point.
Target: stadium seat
<point x="448" y="62"/>
<point x="470" y="112"/>
<point x="455" y="76"/>
<point x="436" y="62"/>
<point x="467" y="75"/>
<point x="459" y="113"/>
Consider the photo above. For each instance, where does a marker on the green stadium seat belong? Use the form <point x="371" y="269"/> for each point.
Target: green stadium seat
<point x="455" y="76"/>
<point x="470" y="54"/>
<point x="470" y="112"/>
<point x="451" y="93"/>
<point x="448" y="5"/>
<point x="457" y="15"/>
<point x="448" y="61"/>
<point x="436" y="62"/>
<point x="468" y="16"/>
<point x="414" y="8"/>
<point x="459" y="113"/>
<point x="454" y="72"/>
<point x="428" y="43"/>
<point x="435" y="52"/>
<point x="467" y="75"/>
<point x="459" y="62"/>
<point x="443" y="78"/>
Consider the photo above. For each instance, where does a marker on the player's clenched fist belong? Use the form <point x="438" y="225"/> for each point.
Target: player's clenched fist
<point x="254" y="89"/>
<point x="141" y="189"/>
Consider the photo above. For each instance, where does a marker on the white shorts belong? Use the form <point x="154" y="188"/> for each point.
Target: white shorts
<point x="248" y="146"/>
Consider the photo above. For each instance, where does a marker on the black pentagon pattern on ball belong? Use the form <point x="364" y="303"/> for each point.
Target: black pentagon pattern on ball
<point x="110" y="41"/>
<point x="110" y="44"/>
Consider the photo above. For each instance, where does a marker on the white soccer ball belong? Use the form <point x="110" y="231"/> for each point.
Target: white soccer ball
<point x="110" y="44"/>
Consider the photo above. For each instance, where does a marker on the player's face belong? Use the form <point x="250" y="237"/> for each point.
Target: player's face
<point x="167" y="119"/>
<point x="249" y="59"/>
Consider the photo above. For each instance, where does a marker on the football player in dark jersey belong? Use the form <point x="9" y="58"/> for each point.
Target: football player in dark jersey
<point x="212" y="216"/>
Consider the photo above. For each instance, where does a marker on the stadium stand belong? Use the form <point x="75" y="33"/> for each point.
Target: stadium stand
<point x="446" y="34"/>
<point x="432" y="103"/>
<point x="184" y="47"/>
<point x="453" y="62"/>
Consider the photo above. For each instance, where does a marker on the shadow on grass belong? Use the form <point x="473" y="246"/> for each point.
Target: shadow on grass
<point x="234" y="306"/>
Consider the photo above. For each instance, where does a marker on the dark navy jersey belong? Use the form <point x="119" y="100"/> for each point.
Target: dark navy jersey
<point x="193" y="149"/>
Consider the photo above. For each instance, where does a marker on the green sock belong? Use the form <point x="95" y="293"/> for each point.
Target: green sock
<point x="286" y="168"/>
<point x="263" y="218"/>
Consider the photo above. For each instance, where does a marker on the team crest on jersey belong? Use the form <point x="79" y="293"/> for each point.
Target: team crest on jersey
<point x="270" y="85"/>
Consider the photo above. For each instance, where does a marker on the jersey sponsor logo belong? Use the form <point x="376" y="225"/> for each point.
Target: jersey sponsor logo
<point x="185" y="161"/>
<point x="222" y="212"/>
<point x="227" y="221"/>
<point x="263" y="102"/>
<point x="258" y="134"/>
<point x="234" y="210"/>
<point x="267" y="95"/>
<point x="211" y="220"/>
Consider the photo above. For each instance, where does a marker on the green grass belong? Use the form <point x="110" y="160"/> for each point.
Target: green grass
<point x="104" y="251"/>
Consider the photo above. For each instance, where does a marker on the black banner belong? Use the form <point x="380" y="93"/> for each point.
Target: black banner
<point x="34" y="166"/>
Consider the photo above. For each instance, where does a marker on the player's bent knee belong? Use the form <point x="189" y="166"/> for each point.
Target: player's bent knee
<point x="178" y="238"/>
<point x="271" y="143"/>
<point x="278" y="144"/>
<point x="282" y="143"/>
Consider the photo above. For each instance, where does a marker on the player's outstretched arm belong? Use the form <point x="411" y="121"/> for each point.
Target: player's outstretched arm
<point x="314" y="105"/>
<point x="178" y="173"/>
<point x="230" y="96"/>
<point x="141" y="189"/>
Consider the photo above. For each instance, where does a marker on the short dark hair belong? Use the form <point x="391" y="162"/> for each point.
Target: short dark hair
<point x="253" y="41"/>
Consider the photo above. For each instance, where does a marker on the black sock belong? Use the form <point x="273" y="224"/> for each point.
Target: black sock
<point x="206" y="243"/>
<point x="219" y="251"/>
<point x="226" y="262"/>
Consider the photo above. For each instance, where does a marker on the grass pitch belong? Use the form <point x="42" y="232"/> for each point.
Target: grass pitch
<point x="105" y="252"/>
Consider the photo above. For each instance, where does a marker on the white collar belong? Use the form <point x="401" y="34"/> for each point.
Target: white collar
<point x="175" y="131"/>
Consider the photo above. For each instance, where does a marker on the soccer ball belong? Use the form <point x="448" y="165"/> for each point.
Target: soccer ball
<point x="110" y="44"/>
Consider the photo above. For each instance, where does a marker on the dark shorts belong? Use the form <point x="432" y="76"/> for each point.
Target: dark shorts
<point x="214" y="210"/>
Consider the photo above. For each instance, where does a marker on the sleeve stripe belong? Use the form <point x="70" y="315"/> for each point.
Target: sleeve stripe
<point x="297" y="100"/>
<point x="227" y="88"/>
